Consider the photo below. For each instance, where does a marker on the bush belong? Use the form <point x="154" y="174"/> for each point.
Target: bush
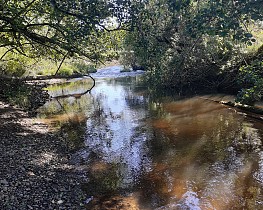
<point x="65" y="71"/>
<point x="127" y="59"/>
<point x="82" y="67"/>
<point x="13" y="68"/>
<point x="250" y="77"/>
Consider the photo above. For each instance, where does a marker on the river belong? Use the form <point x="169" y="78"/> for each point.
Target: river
<point x="145" y="151"/>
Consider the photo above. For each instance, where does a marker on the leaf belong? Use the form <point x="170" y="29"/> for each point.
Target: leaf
<point x="249" y="43"/>
<point x="223" y="33"/>
<point x="248" y="35"/>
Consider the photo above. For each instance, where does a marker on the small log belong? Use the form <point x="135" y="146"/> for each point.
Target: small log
<point x="244" y="107"/>
<point x="250" y="111"/>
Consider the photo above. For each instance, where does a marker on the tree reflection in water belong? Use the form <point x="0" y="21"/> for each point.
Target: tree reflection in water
<point x="142" y="152"/>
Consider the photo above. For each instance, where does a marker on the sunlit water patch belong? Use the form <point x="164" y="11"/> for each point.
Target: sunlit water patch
<point x="115" y="72"/>
<point x="142" y="152"/>
<point x="115" y="131"/>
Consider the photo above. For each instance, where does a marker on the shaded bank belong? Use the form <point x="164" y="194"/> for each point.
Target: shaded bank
<point x="35" y="172"/>
<point x="29" y="93"/>
<point x="29" y="96"/>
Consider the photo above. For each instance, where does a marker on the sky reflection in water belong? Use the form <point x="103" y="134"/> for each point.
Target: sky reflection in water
<point x="111" y="132"/>
<point x="148" y="153"/>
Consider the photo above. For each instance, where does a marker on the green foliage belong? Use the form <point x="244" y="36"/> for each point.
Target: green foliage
<point x="190" y="43"/>
<point x="47" y="71"/>
<point x="13" y="68"/>
<point x="56" y="28"/>
<point x="14" y="64"/>
<point x="180" y="43"/>
<point x="65" y="71"/>
<point x="251" y="78"/>
<point x="84" y="68"/>
<point x="127" y="59"/>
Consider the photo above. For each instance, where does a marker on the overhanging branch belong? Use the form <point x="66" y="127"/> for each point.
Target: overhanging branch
<point x="78" y="95"/>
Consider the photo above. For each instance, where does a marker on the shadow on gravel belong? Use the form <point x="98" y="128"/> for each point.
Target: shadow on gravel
<point x="34" y="169"/>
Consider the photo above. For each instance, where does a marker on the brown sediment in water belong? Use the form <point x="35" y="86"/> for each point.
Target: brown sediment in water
<point x="191" y="152"/>
<point x="116" y="202"/>
<point x="64" y="118"/>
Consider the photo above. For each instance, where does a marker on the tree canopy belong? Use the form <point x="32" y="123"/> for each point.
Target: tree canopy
<point x="183" y="41"/>
<point x="40" y="27"/>
<point x="180" y="43"/>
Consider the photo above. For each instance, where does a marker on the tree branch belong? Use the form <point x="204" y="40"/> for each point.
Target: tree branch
<point x="62" y="61"/>
<point x="7" y="52"/>
<point x="81" y="17"/>
<point x="26" y="7"/>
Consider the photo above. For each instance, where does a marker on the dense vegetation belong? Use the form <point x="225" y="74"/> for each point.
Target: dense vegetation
<point x="210" y="45"/>
<point x="39" y="37"/>
<point x="194" y="45"/>
<point x="54" y="30"/>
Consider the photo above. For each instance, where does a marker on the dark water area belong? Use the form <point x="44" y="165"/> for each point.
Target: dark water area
<point x="139" y="151"/>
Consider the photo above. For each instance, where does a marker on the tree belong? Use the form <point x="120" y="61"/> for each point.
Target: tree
<point x="186" y="42"/>
<point x="40" y="27"/>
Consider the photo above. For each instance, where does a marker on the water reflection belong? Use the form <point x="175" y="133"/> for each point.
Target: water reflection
<point x="208" y="155"/>
<point x="117" y="133"/>
<point x="147" y="153"/>
<point x="69" y="114"/>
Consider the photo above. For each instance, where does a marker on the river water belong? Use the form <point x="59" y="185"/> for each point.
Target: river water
<point x="146" y="151"/>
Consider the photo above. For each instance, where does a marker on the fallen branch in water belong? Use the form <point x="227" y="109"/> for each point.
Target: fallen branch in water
<point x="250" y="111"/>
<point x="78" y="95"/>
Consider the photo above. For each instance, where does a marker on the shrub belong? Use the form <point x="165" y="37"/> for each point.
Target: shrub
<point x="250" y="77"/>
<point x="13" y="68"/>
<point x="65" y="71"/>
<point x="84" y="68"/>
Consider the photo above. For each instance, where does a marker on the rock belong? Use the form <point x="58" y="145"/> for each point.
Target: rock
<point x="3" y="182"/>
<point x="30" y="207"/>
<point x="60" y="202"/>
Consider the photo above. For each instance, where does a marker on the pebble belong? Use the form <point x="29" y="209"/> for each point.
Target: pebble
<point x="60" y="202"/>
<point x="3" y="182"/>
<point x="24" y="182"/>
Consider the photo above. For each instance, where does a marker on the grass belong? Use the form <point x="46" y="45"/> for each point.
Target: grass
<point x="15" y="64"/>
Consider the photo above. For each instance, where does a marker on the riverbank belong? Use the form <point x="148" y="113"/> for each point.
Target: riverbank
<point x="34" y="169"/>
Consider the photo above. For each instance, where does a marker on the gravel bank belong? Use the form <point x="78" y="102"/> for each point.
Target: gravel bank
<point x="34" y="168"/>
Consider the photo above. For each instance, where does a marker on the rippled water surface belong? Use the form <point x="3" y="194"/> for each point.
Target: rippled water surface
<point x="140" y="151"/>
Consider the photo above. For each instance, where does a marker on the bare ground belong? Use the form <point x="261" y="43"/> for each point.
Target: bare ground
<point x="34" y="168"/>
